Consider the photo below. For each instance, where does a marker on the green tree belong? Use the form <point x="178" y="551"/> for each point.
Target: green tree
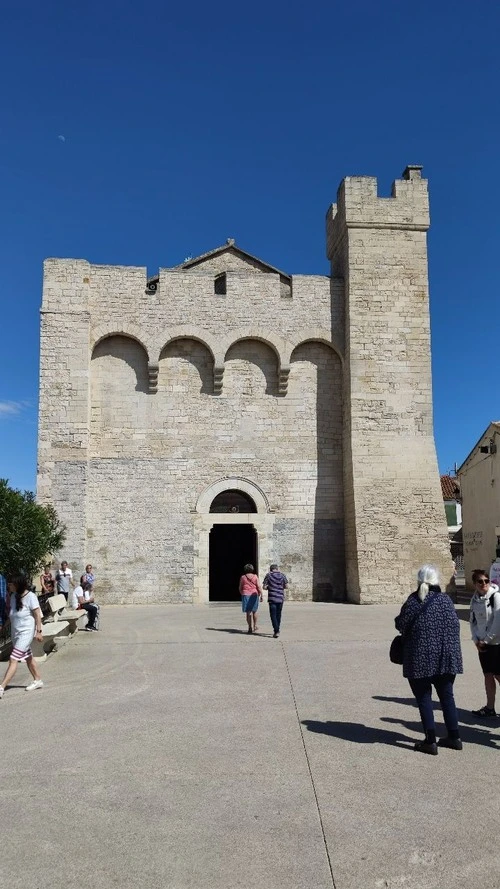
<point x="28" y="531"/>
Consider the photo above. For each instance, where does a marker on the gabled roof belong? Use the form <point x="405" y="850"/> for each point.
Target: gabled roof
<point x="493" y="427"/>
<point x="228" y="247"/>
<point x="450" y="488"/>
<point x="231" y="247"/>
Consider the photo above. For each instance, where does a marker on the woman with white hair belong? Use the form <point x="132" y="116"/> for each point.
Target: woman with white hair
<point x="432" y="656"/>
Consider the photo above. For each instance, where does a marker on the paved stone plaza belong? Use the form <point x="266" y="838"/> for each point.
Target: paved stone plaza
<point x="170" y="750"/>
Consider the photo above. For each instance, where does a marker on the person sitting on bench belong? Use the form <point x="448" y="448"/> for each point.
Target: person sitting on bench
<point x="83" y="597"/>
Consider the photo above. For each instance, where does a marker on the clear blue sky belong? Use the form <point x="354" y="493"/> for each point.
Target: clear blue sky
<point x="141" y="132"/>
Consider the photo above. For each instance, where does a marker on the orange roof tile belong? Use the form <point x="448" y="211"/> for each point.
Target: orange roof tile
<point x="450" y="488"/>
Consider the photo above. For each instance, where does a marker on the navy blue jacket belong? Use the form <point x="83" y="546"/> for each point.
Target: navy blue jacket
<point x="432" y="646"/>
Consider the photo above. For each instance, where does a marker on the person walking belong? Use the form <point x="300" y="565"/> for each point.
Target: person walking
<point x="25" y="624"/>
<point x="275" y="582"/>
<point x="432" y="656"/>
<point x="485" y="631"/>
<point x="251" y="595"/>
<point x="3" y="601"/>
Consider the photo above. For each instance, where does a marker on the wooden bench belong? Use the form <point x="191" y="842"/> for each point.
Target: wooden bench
<point x="61" y="613"/>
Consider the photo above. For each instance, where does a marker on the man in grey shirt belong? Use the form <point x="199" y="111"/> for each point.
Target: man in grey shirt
<point x="64" y="577"/>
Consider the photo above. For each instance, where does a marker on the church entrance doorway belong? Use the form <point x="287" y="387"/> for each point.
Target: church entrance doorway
<point x="231" y="546"/>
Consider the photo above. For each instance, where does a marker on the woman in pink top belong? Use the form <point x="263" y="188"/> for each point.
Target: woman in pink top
<point x="251" y="595"/>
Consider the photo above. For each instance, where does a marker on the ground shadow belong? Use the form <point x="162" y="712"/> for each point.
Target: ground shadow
<point x="358" y="733"/>
<point x="410" y="702"/>
<point x="227" y="630"/>
<point x="468" y="733"/>
<point x="237" y="632"/>
<point x="469" y="724"/>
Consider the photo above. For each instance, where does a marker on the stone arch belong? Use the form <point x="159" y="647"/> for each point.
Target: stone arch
<point x="232" y="501"/>
<point x="276" y="343"/>
<point x="316" y="335"/>
<point x="191" y="333"/>
<point x="233" y="483"/>
<point x="130" y="330"/>
<point x="186" y="354"/>
<point x="127" y="349"/>
<point x="316" y="383"/>
<point x="325" y="358"/>
<point x="203" y="521"/>
<point x="256" y="368"/>
<point x="119" y="386"/>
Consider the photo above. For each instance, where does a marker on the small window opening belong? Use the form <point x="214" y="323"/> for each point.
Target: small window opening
<point x="220" y="285"/>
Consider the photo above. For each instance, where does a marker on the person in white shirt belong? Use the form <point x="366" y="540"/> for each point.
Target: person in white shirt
<point x="74" y="594"/>
<point x="64" y="579"/>
<point x="485" y="631"/>
<point x="25" y="624"/>
<point x="83" y="597"/>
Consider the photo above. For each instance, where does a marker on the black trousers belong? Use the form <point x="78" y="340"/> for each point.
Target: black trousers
<point x="92" y="611"/>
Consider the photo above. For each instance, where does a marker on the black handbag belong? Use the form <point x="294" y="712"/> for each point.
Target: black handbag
<point x="396" y="651"/>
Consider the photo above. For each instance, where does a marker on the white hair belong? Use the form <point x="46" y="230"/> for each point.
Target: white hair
<point x="427" y="576"/>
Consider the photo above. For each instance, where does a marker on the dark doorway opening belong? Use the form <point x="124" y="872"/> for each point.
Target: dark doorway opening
<point x="230" y="547"/>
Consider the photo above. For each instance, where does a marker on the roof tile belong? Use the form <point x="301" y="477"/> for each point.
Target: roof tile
<point x="450" y="488"/>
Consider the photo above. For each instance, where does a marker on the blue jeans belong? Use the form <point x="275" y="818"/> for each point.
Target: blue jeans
<point x="275" y="609"/>
<point x="422" y="689"/>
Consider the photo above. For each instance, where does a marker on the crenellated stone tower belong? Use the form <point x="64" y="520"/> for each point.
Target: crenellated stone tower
<point x="224" y="411"/>
<point x="393" y="503"/>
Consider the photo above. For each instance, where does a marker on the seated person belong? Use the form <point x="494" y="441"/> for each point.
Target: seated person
<point x="83" y="597"/>
<point x="47" y="582"/>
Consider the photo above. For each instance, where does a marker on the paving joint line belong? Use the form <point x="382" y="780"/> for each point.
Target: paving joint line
<point x="327" y="853"/>
<point x="129" y="644"/>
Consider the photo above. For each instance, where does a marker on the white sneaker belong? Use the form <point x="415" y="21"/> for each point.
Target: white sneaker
<point x="1" y="691"/>
<point x="37" y="683"/>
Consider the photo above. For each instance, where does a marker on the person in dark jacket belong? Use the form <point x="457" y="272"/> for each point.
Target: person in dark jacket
<point x="432" y="656"/>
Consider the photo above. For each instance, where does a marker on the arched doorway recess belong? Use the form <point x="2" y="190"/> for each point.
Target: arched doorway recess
<point x="232" y="525"/>
<point x="232" y="501"/>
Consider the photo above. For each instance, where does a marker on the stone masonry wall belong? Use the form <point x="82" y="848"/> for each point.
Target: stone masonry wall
<point x="128" y="491"/>
<point x="154" y="455"/>
<point x="311" y="393"/>
<point x="393" y="505"/>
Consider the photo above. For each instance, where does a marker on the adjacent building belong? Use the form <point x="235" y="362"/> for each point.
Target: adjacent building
<point x="479" y="478"/>
<point x="452" y="500"/>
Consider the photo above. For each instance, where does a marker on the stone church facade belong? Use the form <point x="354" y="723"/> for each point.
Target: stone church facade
<point x="225" y="412"/>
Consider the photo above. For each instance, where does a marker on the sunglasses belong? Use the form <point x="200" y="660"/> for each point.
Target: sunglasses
<point x="483" y="581"/>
